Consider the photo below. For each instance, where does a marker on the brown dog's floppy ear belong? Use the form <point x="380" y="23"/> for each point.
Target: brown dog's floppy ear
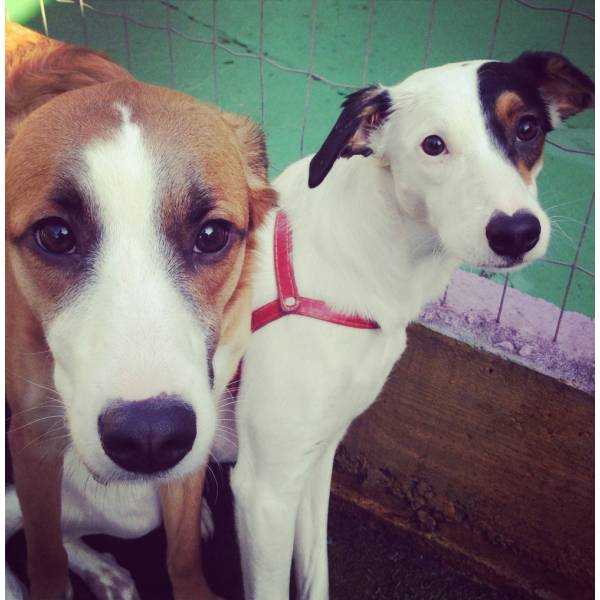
<point x="362" y="113"/>
<point x="563" y="86"/>
<point x="254" y="153"/>
<point x="252" y="141"/>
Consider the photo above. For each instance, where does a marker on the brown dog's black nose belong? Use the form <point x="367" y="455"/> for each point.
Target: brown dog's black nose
<point x="147" y="436"/>
<point x="514" y="235"/>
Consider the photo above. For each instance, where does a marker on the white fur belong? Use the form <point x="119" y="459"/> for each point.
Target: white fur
<point x="129" y="334"/>
<point x="379" y="237"/>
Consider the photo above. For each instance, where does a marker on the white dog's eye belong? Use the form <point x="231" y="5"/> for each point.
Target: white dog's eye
<point x="212" y="237"/>
<point x="433" y="145"/>
<point x="527" y="128"/>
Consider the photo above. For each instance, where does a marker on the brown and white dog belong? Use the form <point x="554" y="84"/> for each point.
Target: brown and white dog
<point x="131" y="212"/>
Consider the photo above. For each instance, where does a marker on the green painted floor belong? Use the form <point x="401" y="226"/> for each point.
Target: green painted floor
<point x="352" y="42"/>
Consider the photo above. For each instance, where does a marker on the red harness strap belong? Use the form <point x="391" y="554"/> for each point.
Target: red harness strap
<point x="289" y="301"/>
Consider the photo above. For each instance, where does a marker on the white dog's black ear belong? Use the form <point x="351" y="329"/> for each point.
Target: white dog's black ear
<point x="362" y="113"/>
<point x="563" y="86"/>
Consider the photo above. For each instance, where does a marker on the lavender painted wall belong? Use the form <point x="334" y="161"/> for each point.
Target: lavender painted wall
<point x="524" y="333"/>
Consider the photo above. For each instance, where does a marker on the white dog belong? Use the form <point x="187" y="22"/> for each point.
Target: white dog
<point x="447" y="176"/>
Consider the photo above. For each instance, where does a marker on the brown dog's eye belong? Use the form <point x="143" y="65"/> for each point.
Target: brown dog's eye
<point x="54" y="235"/>
<point x="527" y="128"/>
<point x="433" y="145"/>
<point x="212" y="237"/>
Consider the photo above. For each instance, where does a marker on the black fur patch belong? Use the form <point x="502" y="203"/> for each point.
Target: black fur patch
<point x="496" y="78"/>
<point x="367" y="108"/>
<point x="538" y="79"/>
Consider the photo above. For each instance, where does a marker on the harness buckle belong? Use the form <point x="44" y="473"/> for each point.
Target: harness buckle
<point x="290" y="304"/>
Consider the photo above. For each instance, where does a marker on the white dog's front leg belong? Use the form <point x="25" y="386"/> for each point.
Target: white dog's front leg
<point x="265" y="519"/>
<point x="310" y="548"/>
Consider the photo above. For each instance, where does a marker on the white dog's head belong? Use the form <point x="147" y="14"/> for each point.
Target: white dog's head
<point x="131" y="210"/>
<point x="464" y="143"/>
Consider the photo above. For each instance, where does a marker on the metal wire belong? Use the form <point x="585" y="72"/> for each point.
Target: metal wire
<point x="501" y="305"/>
<point x="214" y="51"/>
<point x="168" y="10"/>
<point x="495" y="30"/>
<point x="573" y="265"/>
<point x="84" y="30"/>
<point x="368" y="44"/>
<point x="555" y="9"/>
<point x="572" y="150"/>
<point x="261" y="61"/>
<point x="126" y="34"/>
<point x="429" y="33"/>
<point x="44" y="19"/>
<point x="209" y="42"/>
<point x="311" y="59"/>
<point x="566" y="29"/>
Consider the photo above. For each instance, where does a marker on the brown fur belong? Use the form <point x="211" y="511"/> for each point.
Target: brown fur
<point x="508" y="106"/>
<point x="39" y="68"/>
<point x="45" y="126"/>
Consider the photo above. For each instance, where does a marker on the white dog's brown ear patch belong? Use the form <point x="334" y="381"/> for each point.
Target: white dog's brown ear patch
<point x="563" y="86"/>
<point x="362" y="113"/>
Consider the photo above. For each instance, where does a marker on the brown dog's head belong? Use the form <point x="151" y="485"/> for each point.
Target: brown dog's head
<point x="131" y="210"/>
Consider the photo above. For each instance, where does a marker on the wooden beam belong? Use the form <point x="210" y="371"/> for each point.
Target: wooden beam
<point x="484" y="457"/>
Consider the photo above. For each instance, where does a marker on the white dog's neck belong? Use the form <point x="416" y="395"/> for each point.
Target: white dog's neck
<point x="358" y="249"/>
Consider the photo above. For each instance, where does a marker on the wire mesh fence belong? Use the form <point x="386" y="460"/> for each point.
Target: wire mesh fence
<point x="287" y="64"/>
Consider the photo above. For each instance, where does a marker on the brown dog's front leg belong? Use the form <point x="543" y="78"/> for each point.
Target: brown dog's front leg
<point x="38" y="483"/>
<point x="181" y="503"/>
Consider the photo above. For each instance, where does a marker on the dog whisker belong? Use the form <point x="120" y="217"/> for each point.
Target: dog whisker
<point x="38" y="421"/>
<point x="564" y="218"/>
<point x="38" y="385"/>
<point x="548" y="209"/>
<point x="49" y="352"/>
<point x="225" y="435"/>
<point x="558" y="229"/>
<point x="209" y="469"/>
<point x="216" y="462"/>
<point x="226" y="404"/>
<point x="39" y="438"/>
<point x="55" y="403"/>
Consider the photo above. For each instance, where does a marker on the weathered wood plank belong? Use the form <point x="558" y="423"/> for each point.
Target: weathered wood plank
<point x="487" y="458"/>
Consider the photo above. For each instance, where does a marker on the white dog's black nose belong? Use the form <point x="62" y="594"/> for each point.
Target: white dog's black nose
<point x="514" y="235"/>
<point x="148" y="436"/>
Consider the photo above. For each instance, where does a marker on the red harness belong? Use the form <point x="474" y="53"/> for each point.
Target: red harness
<point x="288" y="301"/>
